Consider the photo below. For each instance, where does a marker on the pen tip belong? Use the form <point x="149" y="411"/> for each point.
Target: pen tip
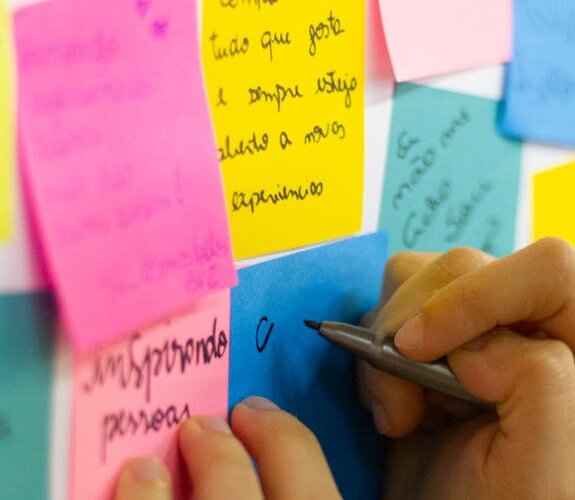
<point x="312" y="324"/>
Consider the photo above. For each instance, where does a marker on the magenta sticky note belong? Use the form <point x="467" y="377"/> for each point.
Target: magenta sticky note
<point x="427" y="38"/>
<point x="129" y="398"/>
<point x="121" y="161"/>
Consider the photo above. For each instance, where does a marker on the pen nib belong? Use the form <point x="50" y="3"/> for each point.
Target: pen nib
<point x="312" y="324"/>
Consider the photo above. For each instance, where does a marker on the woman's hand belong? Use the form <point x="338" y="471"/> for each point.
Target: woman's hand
<point x="508" y="329"/>
<point x="290" y="461"/>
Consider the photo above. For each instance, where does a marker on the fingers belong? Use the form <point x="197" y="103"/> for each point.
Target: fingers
<point x="289" y="457"/>
<point x="218" y="465"/>
<point x="533" y="383"/>
<point x="399" y="268"/>
<point x="536" y="284"/>
<point x="398" y="406"/>
<point x="145" y="478"/>
<point x="438" y="272"/>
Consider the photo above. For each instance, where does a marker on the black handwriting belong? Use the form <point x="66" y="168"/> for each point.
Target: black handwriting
<point x="121" y="423"/>
<point x="458" y="216"/>
<point x="251" y="201"/>
<point x="422" y="164"/>
<point x="456" y="124"/>
<point x="260" y="346"/>
<point x="330" y="84"/>
<point x="269" y="40"/>
<point x="141" y="364"/>
<point x="324" y="30"/>
<point x="278" y="95"/>
<point x="237" y="46"/>
<point x="232" y="4"/>
<point x="416" y="225"/>
<point x="318" y="133"/>
<point x="251" y="146"/>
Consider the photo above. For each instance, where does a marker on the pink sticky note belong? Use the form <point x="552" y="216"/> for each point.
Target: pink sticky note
<point x="128" y="399"/>
<point x="427" y="38"/>
<point x="121" y="161"/>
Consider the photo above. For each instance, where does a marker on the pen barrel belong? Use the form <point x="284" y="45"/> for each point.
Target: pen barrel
<point x="435" y="375"/>
<point x="379" y="350"/>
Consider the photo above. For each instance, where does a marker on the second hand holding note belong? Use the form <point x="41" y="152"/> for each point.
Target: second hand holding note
<point x="379" y="350"/>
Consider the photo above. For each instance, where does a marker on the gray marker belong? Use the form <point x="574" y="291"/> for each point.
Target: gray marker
<point x="379" y="351"/>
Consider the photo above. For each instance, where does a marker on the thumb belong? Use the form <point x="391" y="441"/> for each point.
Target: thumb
<point x="533" y="383"/>
<point x="145" y="478"/>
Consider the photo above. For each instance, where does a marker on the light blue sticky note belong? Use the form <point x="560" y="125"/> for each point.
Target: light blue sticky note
<point x="539" y="101"/>
<point x="274" y="355"/>
<point x="450" y="179"/>
<point x="26" y="350"/>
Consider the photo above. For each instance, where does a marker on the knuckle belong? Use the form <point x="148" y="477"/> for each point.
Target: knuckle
<point x="221" y="449"/>
<point x="548" y="360"/>
<point x="557" y="253"/>
<point x="553" y="246"/>
<point x="289" y="434"/>
<point x="461" y="260"/>
<point x="400" y="267"/>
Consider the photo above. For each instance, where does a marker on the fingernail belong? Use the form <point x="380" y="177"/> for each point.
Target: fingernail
<point x="149" y="470"/>
<point x="260" y="404"/>
<point x="478" y="342"/>
<point x="144" y="478"/>
<point x="213" y="423"/>
<point x="380" y="418"/>
<point x="410" y="336"/>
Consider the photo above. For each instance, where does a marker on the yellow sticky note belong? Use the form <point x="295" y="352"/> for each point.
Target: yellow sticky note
<point x="285" y="81"/>
<point x="554" y="204"/>
<point x="6" y="129"/>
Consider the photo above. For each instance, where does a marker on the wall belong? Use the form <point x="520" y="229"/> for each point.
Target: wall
<point x="20" y="272"/>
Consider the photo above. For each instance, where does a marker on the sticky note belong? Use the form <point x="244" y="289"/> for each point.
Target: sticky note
<point x="6" y="126"/>
<point x="430" y="38"/>
<point x="129" y="398"/>
<point x="450" y="179"/>
<point x="539" y="100"/>
<point x="121" y="161"/>
<point x="553" y="203"/>
<point x="274" y="355"/>
<point x="27" y="330"/>
<point x="285" y="82"/>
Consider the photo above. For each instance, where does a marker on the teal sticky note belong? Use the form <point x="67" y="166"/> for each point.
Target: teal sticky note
<point x="27" y="324"/>
<point x="450" y="179"/>
<point x="274" y="355"/>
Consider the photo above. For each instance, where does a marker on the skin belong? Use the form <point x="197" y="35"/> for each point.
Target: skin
<point x="219" y="459"/>
<point x="507" y="327"/>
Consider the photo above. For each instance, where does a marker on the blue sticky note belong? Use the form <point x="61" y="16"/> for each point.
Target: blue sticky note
<point x="539" y="101"/>
<point x="274" y="355"/>
<point x="26" y="348"/>
<point x="450" y="179"/>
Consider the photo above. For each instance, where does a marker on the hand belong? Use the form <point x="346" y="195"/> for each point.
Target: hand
<point x="219" y="462"/>
<point x="508" y="328"/>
